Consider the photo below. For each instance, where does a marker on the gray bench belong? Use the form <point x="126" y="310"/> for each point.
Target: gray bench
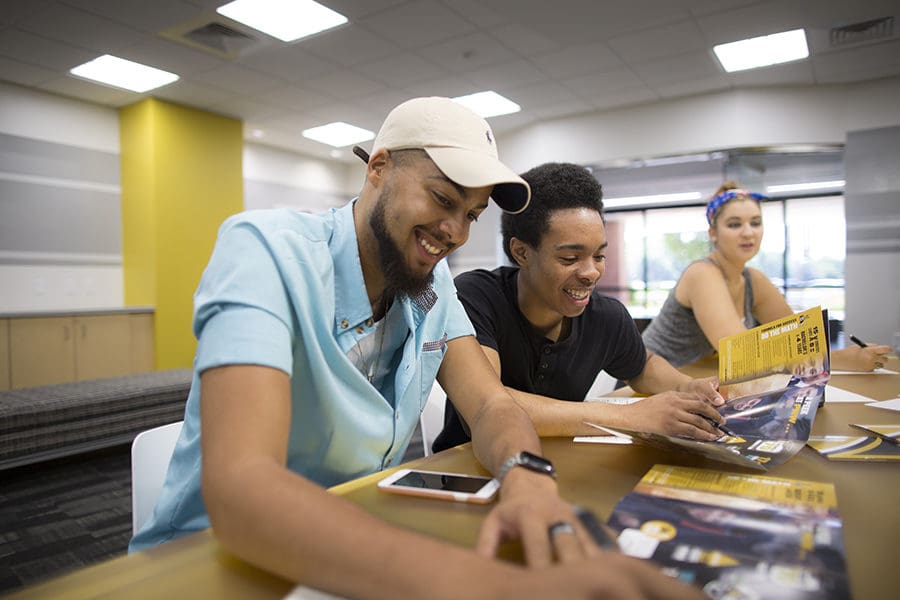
<point x="52" y="421"/>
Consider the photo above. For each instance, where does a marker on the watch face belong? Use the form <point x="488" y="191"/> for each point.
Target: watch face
<point x="535" y="462"/>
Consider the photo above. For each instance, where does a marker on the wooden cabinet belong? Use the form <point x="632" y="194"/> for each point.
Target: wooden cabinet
<point x="41" y="351"/>
<point x="4" y="354"/>
<point x="102" y="346"/>
<point x="57" y="349"/>
<point x="141" y="342"/>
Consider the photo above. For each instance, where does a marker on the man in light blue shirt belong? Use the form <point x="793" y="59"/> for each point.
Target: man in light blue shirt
<point x="320" y="337"/>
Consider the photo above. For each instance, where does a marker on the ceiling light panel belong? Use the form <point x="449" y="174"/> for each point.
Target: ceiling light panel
<point x="338" y="134"/>
<point x="488" y="104"/>
<point x="762" y="51"/>
<point x="286" y="20"/>
<point x="122" y="73"/>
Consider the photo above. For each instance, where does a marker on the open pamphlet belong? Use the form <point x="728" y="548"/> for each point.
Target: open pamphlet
<point x="773" y="379"/>
<point x="855" y="448"/>
<point x="736" y="535"/>
<point x="880" y="443"/>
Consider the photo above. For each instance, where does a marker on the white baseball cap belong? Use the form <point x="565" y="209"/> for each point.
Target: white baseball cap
<point x="459" y="142"/>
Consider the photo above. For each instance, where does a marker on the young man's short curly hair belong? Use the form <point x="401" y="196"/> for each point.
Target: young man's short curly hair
<point x="554" y="186"/>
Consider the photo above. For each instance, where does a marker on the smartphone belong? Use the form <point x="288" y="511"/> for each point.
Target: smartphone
<point x="447" y="486"/>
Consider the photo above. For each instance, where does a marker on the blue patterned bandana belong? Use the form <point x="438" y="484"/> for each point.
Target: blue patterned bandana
<point x="727" y="196"/>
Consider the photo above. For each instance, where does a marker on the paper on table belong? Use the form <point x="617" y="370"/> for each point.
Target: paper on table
<point x="606" y="439"/>
<point x="834" y="394"/>
<point x="875" y="372"/>
<point x="887" y="404"/>
<point x="601" y="439"/>
<point x="301" y="592"/>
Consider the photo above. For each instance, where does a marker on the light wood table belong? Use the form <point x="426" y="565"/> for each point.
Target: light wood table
<point x="592" y="475"/>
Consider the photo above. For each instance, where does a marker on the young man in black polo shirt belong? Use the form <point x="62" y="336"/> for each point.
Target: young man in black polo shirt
<point x="548" y="333"/>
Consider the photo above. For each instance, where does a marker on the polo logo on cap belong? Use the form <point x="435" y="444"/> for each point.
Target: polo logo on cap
<point x="487" y="134"/>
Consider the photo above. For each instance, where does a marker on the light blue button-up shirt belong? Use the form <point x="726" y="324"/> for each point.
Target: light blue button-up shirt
<point x="285" y="289"/>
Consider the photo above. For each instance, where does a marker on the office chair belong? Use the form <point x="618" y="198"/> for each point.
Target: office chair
<point x="150" y="454"/>
<point x="431" y="421"/>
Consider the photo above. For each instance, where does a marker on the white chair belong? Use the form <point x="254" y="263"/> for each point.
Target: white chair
<point x="431" y="420"/>
<point x="150" y="454"/>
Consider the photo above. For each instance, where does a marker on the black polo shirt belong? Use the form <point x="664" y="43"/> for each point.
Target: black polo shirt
<point x="603" y="338"/>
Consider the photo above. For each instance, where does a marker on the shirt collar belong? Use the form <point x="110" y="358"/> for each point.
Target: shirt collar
<point x="351" y="307"/>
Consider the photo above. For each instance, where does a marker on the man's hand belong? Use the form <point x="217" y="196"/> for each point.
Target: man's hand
<point x="529" y="507"/>
<point x="707" y="388"/>
<point x="675" y="413"/>
<point x="609" y="576"/>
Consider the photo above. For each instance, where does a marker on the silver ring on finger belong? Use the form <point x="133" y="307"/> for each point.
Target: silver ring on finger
<point x="560" y="527"/>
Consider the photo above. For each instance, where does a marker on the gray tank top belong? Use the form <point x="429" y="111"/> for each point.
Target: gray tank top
<point x="675" y="334"/>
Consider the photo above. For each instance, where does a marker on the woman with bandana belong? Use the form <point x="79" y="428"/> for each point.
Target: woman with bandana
<point x="719" y="295"/>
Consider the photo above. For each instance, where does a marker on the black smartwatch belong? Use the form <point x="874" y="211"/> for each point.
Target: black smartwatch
<point x="530" y="461"/>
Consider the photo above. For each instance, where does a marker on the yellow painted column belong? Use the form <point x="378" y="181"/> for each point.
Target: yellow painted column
<point x="181" y="177"/>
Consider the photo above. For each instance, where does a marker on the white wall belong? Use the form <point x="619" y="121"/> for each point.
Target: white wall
<point x="56" y="280"/>
<point x="275" y="178"/>
<point x="736" y="119"/>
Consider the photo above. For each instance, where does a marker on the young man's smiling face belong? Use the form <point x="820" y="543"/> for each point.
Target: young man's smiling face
<point x="559" y="275"/>
<point x="419" y="218"/>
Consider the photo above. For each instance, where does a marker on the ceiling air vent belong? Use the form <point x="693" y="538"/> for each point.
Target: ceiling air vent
<point x="865" y="31"/>
<point x="218" y="36"/>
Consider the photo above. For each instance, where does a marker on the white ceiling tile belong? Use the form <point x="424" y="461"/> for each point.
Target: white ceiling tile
<point x="169" y="55"/>
<point x="444" y="86"/>
<point x="503" y="123"/>
<point x="690" y="87"/>
<point x="761" y="18"/>
<point x="542" y="94"/>
<point x="396" y="49"/>
<point x="861" y="62"/>
<point x="23" y="73"/>
<point x="245" y="108"/>
<point x="290" y="64"/>
<point x="39" y="51"/>
<point x="149" y="17"/>
<point x="91" y="92"/>
<point x="238" y="79"/>
<point x="617" y="99"/>
<point x="576" y="60"/>
<point x="477" y="13"/>
<point x="343" y="84"/>
<point x="668" y="40"/>
<point x="561" y="109"/>
<point x="523" y="40"/>
<point x="506" y="75"/>
<point x="342" y="111"/>
<point x="349" y="45"/>
<point x="468" y="52"/>
<point x="697" y="65"/>
<point x="417" y="24"/>
<point x="192" y="93"/>
<point x="605" y="83"/>
<point x="11" y="11"/>
<point x="356" y="9"/>
<point x="295" y="97"/>
<point x="79" y="28"/>
<point x="795" y="73"/>
<point x="401" y="70"/>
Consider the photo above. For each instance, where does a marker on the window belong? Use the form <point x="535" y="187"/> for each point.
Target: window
<point x="802" y="252"/>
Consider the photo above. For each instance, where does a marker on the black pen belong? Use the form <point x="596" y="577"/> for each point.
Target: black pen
<point x="720" y="427"/>
<point x="858" y="342"/>
<point x="593" y="526"/>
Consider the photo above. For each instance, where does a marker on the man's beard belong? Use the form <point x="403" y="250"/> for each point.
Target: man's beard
<point x="399" y="279"/>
